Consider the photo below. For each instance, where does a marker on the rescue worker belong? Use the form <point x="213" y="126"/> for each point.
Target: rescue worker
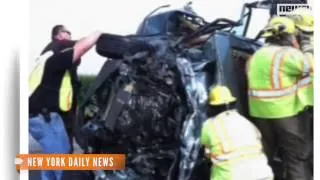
<point x="57" y="43"/>
<point x="303" y="19"/>
<point x="231" y="141"/>
<point x="276" y="73"/>
<point x="51" y="93"/>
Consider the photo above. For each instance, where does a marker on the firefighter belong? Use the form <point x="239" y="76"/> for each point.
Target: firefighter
<point x="276" y="74"/>
<point x="51" y="93"/>
<point x="303" y="19"/>
<point x="231" y="141"/>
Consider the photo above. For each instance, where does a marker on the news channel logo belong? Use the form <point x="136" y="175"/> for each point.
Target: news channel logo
<point x="288" y="9"/>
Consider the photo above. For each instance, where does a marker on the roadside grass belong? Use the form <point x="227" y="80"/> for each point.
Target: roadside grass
<point x="86" y="81"/>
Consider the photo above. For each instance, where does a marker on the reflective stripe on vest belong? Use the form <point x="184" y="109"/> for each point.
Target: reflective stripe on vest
<point x="223" y="148"/>
<point x="237" y="153"/>
<point x="306" y="67"/>
<point x="281" y="92"/>
<point x="276" y="78"/>
<point x="65" y="90"/>
<point x="277" y="62"/>
<point x="306" y="94"/>
<point x="238" y="159"/>
<point x="223" y="137"/>
<point x="215" y="135"/>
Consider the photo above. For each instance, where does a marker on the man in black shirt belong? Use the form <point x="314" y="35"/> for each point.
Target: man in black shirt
<point x="46" y="95"/>
<point x="61" y="39"/>
<point x="52" y="87"/>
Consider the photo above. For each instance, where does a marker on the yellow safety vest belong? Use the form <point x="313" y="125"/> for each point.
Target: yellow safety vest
<point x="65" y="90"/>
<point x="278" y="78"/>
<point x="305" y="93"/>
<point x="233" y="140"/>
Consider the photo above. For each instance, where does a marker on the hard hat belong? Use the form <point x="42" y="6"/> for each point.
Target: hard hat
<point x="279" y="25"/>
<point x="303" y="19"/>
<point x="220" y="95"/>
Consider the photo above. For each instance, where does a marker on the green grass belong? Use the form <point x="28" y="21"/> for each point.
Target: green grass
<point x="86" y="81"/>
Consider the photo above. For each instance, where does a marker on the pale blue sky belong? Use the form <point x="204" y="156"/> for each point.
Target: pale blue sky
<point x="115" y="16"/>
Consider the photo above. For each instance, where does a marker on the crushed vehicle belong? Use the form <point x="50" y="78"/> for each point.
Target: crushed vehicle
<point x="149" y="98"/>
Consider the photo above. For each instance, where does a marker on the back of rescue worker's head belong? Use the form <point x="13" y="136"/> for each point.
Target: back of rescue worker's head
<point x="280" y="30"/>
<point x="279" y="26"/>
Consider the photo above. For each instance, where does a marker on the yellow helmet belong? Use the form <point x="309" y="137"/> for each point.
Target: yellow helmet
<point x="220" y="95"/>
<point x="279" y="25"/>
<point x="303" y="19"/>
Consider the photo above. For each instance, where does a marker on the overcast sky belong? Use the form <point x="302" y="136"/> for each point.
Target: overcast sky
<point x="115" y="16"/>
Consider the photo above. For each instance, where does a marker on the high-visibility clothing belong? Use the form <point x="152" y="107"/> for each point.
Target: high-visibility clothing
<point x="275" y="76"/>
<point x="65" y="90"/>
<point x="235" y="148"/>
<point x="306" y="94"/>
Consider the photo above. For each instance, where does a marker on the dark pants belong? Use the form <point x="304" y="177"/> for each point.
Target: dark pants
<point x="310" y="117"/>
<point x="291" y="136"/>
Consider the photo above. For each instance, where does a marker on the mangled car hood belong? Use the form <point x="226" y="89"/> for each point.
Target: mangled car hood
<point x="151" y="107"/>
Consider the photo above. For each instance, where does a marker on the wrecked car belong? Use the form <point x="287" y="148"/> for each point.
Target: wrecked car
<point x="149" y="98"/>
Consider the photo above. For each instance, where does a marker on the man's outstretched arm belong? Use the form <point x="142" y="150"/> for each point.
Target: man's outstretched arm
<point x="84" y="45"/>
